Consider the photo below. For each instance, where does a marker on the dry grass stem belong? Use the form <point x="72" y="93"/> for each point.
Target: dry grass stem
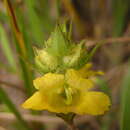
<point x="91" y="43"/>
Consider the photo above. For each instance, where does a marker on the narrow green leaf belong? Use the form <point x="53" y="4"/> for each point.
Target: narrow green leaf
<point x="15" y="28"/>
<point x="7" y="68"/>
<point x="35" y="22"/>
<point x="70" y="31"/>
<point x="6" y="48"/>
<point x="120" y="8"/>
<point x="27" y="39"/>
<point x="125" y="102"/>
<point x="44" y="13"/>
<point x="6" y="100"/>
<point x="3" y="16"/>
<point x="103" y="86"/>
<point x="22" y="51"/>
<point x="87" y="56"/>
<point x="58" y="5"/>
<point x="93" y="51"/>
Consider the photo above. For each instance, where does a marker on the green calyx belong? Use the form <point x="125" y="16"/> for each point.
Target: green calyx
<point x="59" y="52"/>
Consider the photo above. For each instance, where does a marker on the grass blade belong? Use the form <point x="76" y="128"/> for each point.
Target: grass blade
<point x="35" y="23"/>
<point x="27" y="74"/>
<point x="27" y="39"/>
<point x="6" y="48"/>
<point x="125" y="103"/>
<point x="5" y="99"/>
<point x="120" y="11"/>
<point x="103" y="86"/>
<point x="44" y="12"/>
<point x="6" y="67"/>
<point x="15" y="27"/>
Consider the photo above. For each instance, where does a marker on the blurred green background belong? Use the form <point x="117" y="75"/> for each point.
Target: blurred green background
<point x="92" y="20"/>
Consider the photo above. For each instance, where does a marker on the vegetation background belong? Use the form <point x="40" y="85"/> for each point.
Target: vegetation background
<point x="95" y="21"/>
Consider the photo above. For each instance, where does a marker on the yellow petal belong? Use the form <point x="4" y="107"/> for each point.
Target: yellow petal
<point x="38" y="82"/>
<point x="75" y="81"/>
<point x="93" y="103"/>
<point x="86" y="71"/>
<point x="35" y="102"/>
<point x="91" y="73"/>
<point x="83" y="71"/>
<point x="51" y="87"/>
<point x="39" y="102"/>
<point x="49" y="80"/>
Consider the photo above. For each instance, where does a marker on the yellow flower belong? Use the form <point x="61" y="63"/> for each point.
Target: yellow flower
<point x="67" y="93"/>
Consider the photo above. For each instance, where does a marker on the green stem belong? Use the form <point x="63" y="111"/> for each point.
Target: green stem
<point x="69" y="119"/>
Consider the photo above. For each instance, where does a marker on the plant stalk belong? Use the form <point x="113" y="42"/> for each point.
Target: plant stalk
<point x="73" y="127"/>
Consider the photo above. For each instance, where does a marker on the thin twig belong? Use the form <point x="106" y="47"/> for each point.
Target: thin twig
<point x="43" y="118"/>
<point x="12" y="85"/>
<point x="91" y="43"/>
<point x="4" y="116"/>
<point x="31" y="118"/>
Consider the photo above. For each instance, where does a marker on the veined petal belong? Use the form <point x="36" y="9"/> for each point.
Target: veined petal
<point x="35" y="102"/>
<point x="76" y="81"/>
<point x="49" y="80"/>
<point x="93" y="103"/>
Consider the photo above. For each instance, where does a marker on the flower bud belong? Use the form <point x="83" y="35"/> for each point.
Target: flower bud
<point x="45" y="62"/>
<point x="75" y="55"/>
